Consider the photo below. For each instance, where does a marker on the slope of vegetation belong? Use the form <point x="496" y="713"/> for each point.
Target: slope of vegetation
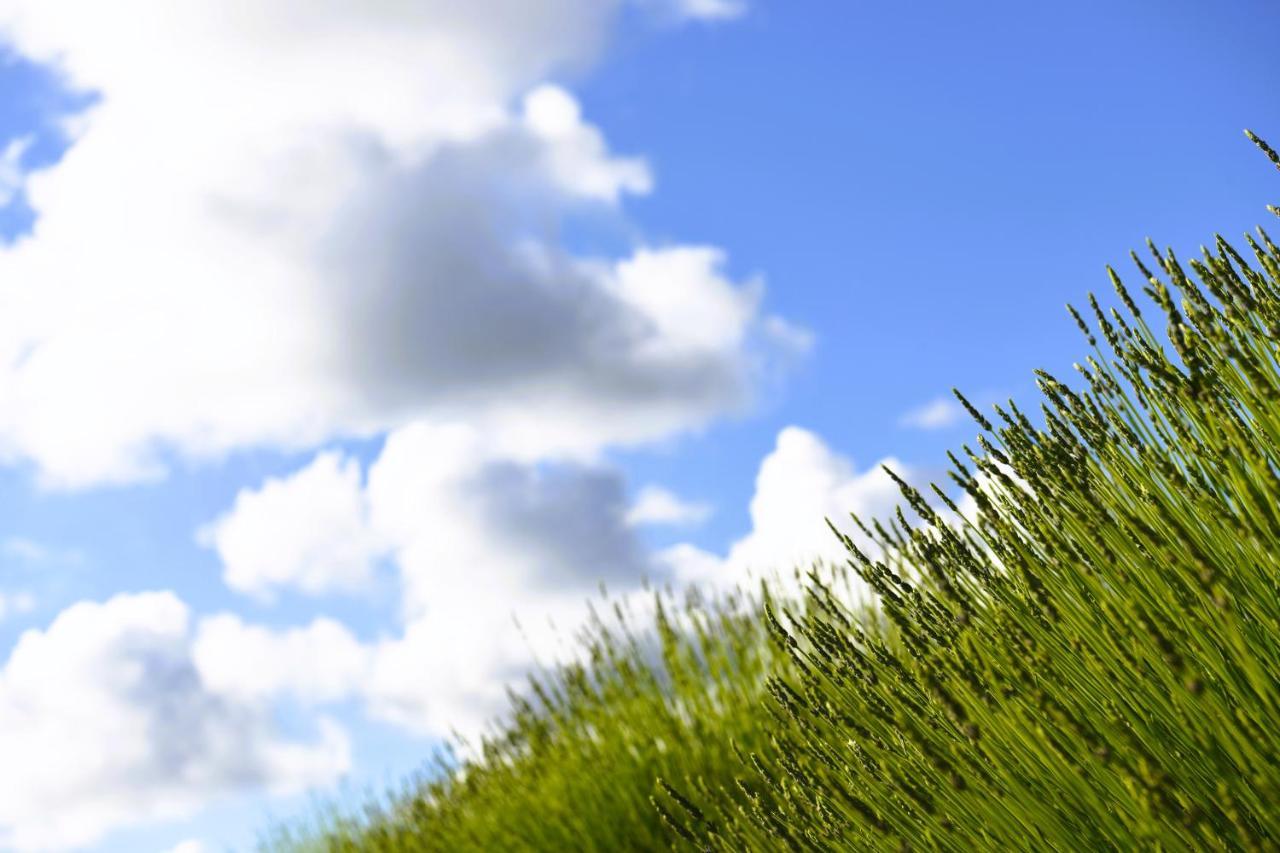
<point x="1085" y="656"/>
<point x="576" y="762"/>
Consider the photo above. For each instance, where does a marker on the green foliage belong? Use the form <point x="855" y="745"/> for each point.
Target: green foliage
<point x="576" y="764"/>
<point x="1087" y="658"/>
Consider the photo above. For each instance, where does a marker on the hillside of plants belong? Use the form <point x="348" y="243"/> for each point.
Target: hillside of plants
<point x="1072" y="645"/>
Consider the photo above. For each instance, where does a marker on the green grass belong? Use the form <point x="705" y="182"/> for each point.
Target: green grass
<point x="1089" y="662"/>
<point x="577" y="761"/>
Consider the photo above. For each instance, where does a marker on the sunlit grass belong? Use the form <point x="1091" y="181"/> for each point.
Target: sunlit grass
<point x="1087" y="657"/>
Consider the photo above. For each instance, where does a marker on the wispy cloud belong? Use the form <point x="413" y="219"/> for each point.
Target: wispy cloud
<point x="656" y="505"/>
<point x="12" y="174"/>
<point x="34" y="553"/>
<point x="16" y="603"/>
<point x="711" y="10"/>
<point x="937" y="414"/>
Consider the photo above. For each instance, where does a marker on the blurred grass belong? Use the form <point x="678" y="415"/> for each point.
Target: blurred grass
<point x="1085" y="656"/>
<point x="577" y="760"/>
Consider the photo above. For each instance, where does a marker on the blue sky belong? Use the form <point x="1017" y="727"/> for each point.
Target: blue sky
<point x="436" y="320"/>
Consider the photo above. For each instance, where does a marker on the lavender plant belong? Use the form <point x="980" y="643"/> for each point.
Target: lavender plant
<point x="1076" y="648"/>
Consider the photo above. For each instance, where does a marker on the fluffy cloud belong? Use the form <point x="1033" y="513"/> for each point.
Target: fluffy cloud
<point x="799" y="484"/>
<point x="939" y="413"/>
<point x="468" y="525"/>
<point x="447" y="672"/>
<point x="318" y="663"/>
<point x="477" y="538"/>
<point x="105" y="720"/>
<point x="441" y="497"/>
<point x="453" y="310"/>
<point x="291" y="221"/>
<point x="308" y="531"/>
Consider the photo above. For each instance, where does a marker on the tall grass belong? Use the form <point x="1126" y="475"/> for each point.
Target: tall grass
<point x="576" y="762"/>
<point x="1086" y="656"/>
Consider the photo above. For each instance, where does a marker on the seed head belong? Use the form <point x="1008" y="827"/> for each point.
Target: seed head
<point x="973" y="412"/>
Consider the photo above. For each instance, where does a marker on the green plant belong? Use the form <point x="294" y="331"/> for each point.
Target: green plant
<point x="1083" y="655"/>
<point x="1094" y="662"/>
<point x="575" y="764"/>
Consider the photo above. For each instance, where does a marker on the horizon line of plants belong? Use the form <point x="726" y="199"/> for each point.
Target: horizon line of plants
<point x="1088" y="661"/>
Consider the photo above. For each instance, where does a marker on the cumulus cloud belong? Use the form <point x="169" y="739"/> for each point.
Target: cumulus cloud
<point x="939" y="413"/>
<point x="801" y="482"/>
<point x="476" y="537"/>
<point x="469" y="524"/>
<point x="284" y="223"/>
<point x="441" y="495"/>
<point x="105" y="721"/>
<point x="318" y="663"/>
<point x="308" y="531"/>
<point x="451" y="313"/>
<point x="656" y="505"/>
<point x="446" y="672"/>
<point x="292" y="221"/>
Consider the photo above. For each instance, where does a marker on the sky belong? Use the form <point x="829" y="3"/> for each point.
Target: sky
<point x="346" y="349"/>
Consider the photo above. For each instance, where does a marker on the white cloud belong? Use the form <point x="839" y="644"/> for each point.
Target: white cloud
<point x="105" y="721"/>
<point x="318" y="663"/>
<point x="446" y="673"/>
<point x="656" y="505"/>
<point x="799" y="484"/>
<point x="291" y="221"/>
<point x="33" y="553"/>
<point x="939" y="413"/>
<point x="477" y="538"/>
<point x="24" y="549"/>
<point x="577" y="157"/>
<point x="309" y="531"/>
<point x="444" y="494"/>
